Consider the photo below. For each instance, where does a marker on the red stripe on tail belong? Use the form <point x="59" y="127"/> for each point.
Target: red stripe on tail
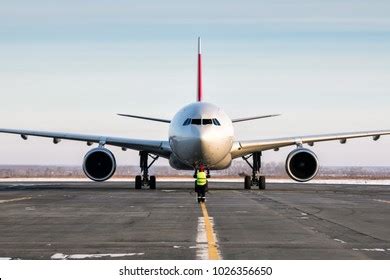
<point x="199" y="72"/>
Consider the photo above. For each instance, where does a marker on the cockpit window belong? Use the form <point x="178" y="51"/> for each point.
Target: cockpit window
<point x="187" y="122"/>
<point x="216" y="122"/>
<point x="196" y="121"/>
<point x="201" y="122"/>
<point x="207" y="121"/>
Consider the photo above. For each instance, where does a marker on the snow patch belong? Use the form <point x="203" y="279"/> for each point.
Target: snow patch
<point x="15" y="199"/>
<point x="381" y="200"/>
<point x="60" y="256"/>
<point x="370" y="249"/>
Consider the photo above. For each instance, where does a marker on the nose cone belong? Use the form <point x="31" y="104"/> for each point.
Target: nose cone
<point x="209" y="146"/>
<point x="202" y="145"/>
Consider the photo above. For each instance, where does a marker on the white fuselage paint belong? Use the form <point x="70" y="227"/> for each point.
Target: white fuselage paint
<point x="193" y="144"/>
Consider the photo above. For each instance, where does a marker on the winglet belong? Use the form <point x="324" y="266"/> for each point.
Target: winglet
<point x="199" y="84"/>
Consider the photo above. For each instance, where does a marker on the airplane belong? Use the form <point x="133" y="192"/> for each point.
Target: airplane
<point x="200" y="134"/>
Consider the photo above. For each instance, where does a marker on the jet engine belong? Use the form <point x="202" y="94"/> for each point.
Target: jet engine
<point x="302" y="165"/>
<point x="99" y="164"/>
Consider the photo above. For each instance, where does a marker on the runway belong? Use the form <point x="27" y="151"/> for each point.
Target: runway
<point x="113" y="221"/>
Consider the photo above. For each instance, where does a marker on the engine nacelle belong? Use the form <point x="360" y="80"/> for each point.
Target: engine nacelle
<point x="99" y="164"/>
<point x="302" y="165"/>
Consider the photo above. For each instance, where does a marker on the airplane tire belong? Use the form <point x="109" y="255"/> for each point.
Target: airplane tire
<point x="152" y="182"/>
<point x="248" y="182"/>
<point x="138" y="182"/>
<point x="262" y="183"/>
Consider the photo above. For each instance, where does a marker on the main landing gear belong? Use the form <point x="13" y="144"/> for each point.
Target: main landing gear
<point x="144" y="179"/>
<point x="255" y="179"/>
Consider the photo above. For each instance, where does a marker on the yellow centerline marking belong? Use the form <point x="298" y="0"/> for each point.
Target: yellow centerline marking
<point x="15" y="199"/>
<point x="212" y="244"/>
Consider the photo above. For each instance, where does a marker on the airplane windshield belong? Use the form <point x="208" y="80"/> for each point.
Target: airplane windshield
<point x="206" y="121"/>
<point x="201" y="122"/>
<point x="187" y="122"/>
<point x="196" y="121"/>
<point x="216" y="122"/>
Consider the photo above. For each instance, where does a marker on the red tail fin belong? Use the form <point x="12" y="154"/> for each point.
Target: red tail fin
<point x="199" y="71"/>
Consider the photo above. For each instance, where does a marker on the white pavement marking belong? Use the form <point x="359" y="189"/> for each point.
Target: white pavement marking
<point x="370" y="249"/>
<point x="202" y="252"/>
<point x="384" y="201"/>
<point x="339" y="240"/>
<point x="5" y="259"/>
<point x="60" y="256"/>
<point x="15" y="199"/>
<point x="211" y="236"/>
<point x="203" y="249"/>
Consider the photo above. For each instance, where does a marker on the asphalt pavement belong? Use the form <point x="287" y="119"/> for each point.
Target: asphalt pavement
<point x="78" y="220"/>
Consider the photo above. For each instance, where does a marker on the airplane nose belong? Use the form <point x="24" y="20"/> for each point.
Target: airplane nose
<point x="211" y="147"/>
<point x="202" y="145"/>
<point x="206" y="142"/>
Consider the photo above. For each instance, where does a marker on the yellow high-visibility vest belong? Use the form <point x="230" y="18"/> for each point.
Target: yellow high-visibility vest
<point x="201" y="178"/>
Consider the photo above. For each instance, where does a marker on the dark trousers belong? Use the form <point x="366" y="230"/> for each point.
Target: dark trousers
<point x="201" y="190"/>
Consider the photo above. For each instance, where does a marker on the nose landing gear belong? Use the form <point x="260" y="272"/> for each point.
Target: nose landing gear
<point x="144" y="179"/>
<point x="255" y="179"/>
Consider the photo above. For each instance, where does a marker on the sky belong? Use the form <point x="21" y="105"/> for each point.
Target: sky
<point x="72" y="65"/>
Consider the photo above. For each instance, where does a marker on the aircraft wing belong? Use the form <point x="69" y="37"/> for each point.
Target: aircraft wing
<point x="145" y="118"/>
<point x="254" y="118"/>
<point x="160" y="148"/>
<point x="242" y="148"/>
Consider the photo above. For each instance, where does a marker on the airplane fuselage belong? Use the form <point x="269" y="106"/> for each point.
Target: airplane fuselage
<point x="201" y="133"/>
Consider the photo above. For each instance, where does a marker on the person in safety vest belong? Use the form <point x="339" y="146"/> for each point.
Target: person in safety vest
<point x="201" y="184"/>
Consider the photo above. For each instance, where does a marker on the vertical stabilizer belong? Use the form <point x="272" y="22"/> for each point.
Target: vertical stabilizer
<point x="199" y="85"/>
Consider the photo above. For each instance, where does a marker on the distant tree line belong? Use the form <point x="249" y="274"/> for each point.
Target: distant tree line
<point x="270" y="169"/>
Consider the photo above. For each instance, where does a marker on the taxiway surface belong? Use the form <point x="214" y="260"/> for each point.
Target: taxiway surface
<point x="76" y="220"/>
